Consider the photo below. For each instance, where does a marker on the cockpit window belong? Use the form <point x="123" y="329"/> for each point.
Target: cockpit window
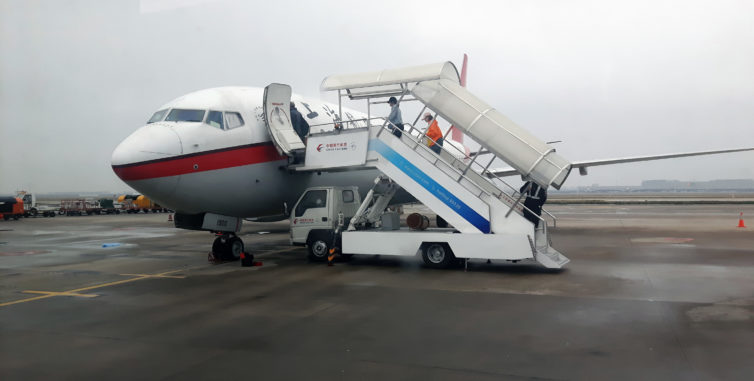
<point x="215" y="119"/>
<point x="158" y="116"/>
<point x="233" y="120"/>
<point x="181" y="115"/>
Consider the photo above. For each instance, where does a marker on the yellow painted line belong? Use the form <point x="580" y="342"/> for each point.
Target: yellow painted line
<point x="156" y="276"/>
<point x="53" y="293"/>
<point x="49" y="294"/>
<point x="25" y="300"/>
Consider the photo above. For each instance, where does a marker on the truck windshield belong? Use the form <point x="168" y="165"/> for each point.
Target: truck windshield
<point x="312" y="199"/>
<point x="181" y="115"/>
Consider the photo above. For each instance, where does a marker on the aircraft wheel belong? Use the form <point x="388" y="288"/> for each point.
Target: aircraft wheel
<point x="220" y="247"/>
<point x="319" y="247"/>
<point x="235" y="248"/>
<point x="437" y="255"/>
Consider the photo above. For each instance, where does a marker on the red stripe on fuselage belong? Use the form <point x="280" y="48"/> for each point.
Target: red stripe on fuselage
<point x="199" y="162"/>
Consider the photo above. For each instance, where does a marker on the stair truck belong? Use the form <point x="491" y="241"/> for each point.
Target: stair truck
<point x="486" y="212"/>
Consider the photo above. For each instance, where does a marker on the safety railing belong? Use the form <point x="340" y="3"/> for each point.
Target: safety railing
<point x="472" y="171"/>
<point x="513" y="198"/>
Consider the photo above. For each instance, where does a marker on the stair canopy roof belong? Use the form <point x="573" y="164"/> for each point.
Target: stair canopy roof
<point x="390" y="82"/>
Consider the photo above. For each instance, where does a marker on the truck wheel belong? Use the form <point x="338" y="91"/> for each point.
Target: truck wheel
<point x="319" y="246"/>
<point x="437" y="255"/>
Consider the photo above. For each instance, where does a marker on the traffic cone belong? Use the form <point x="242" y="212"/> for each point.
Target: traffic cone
<point x="741" y="221"/>
<point x="170" y="217"/>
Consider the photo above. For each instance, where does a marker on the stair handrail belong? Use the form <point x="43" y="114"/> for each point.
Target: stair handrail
<point x="420" y="135"/>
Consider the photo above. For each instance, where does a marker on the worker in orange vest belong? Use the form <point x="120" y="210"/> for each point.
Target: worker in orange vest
<point x="434" y="135"/>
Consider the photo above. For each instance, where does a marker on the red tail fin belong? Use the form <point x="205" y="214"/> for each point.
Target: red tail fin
<point x="455" y="133"/>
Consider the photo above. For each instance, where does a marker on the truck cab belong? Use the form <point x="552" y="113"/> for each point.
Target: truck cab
<point x="11" y="207"/>
<point x="315" y="217"/>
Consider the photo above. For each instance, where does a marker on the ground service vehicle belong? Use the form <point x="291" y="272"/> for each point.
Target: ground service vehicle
<point x="318" y="213"/>
<point x="79" y="207"/>
<point x="34" y="209"/>
<point x="107" y="206"/>
<point x="134" y="203"/>
<point x="11" y="207"/>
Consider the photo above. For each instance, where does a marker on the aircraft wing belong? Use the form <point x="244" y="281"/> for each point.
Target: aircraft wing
<point x="583" y="165"/>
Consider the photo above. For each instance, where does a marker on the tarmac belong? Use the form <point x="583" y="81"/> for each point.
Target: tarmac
<point x="651" y="292"/>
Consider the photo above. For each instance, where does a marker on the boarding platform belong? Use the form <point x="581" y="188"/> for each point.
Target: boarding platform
<point x="486" y="213"/>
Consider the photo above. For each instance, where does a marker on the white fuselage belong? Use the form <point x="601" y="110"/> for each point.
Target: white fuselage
<point x="193" y="166"/>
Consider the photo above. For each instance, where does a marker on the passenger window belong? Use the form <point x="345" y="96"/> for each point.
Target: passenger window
<point x="312" y="199"/>
<point x="233" y="120"/>
<point x="347" y="196"/>
<point x="158" y="116"/>
<point x="215" y="119"/>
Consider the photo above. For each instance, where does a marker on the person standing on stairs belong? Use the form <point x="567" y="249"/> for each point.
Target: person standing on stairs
<point x="434" y="135"/>
<point x="394" y="119"/>
<point x="535" y="198"/>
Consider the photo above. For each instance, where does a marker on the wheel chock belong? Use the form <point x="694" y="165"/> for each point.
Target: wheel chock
<point x="332" y="255"/>
<point x="247" y="259"/>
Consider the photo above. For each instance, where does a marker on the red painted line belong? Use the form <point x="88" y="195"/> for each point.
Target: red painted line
<point x="209" y="161"/>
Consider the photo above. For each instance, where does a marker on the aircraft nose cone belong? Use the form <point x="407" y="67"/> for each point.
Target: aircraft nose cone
<point x="147" y="144"/>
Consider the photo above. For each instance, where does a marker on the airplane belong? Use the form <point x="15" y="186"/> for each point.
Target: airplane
<point x="210" y="156"/>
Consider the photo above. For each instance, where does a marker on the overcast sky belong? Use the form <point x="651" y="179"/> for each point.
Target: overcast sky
<point x="609" y="78"/>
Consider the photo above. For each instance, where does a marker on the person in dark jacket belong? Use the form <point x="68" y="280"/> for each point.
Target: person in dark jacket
<point x="535" y="198"/>
<point x="299" y="123"/>
<point x="395" y="120"/>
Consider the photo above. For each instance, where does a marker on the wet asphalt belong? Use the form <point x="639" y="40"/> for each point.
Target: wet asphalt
<point x="652" y="292"/>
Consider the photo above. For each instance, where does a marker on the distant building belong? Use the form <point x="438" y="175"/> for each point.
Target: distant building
<point x="677" y="185"/>
<point x="725" y="185"/>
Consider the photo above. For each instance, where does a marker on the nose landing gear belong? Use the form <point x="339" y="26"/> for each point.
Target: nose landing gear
<point x="227" y="246"/>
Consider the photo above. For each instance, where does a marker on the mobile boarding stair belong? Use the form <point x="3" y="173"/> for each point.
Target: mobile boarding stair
<point x="486" y="211"/>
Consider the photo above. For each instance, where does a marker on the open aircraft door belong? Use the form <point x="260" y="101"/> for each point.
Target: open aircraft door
<point x="277" y="112"/>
